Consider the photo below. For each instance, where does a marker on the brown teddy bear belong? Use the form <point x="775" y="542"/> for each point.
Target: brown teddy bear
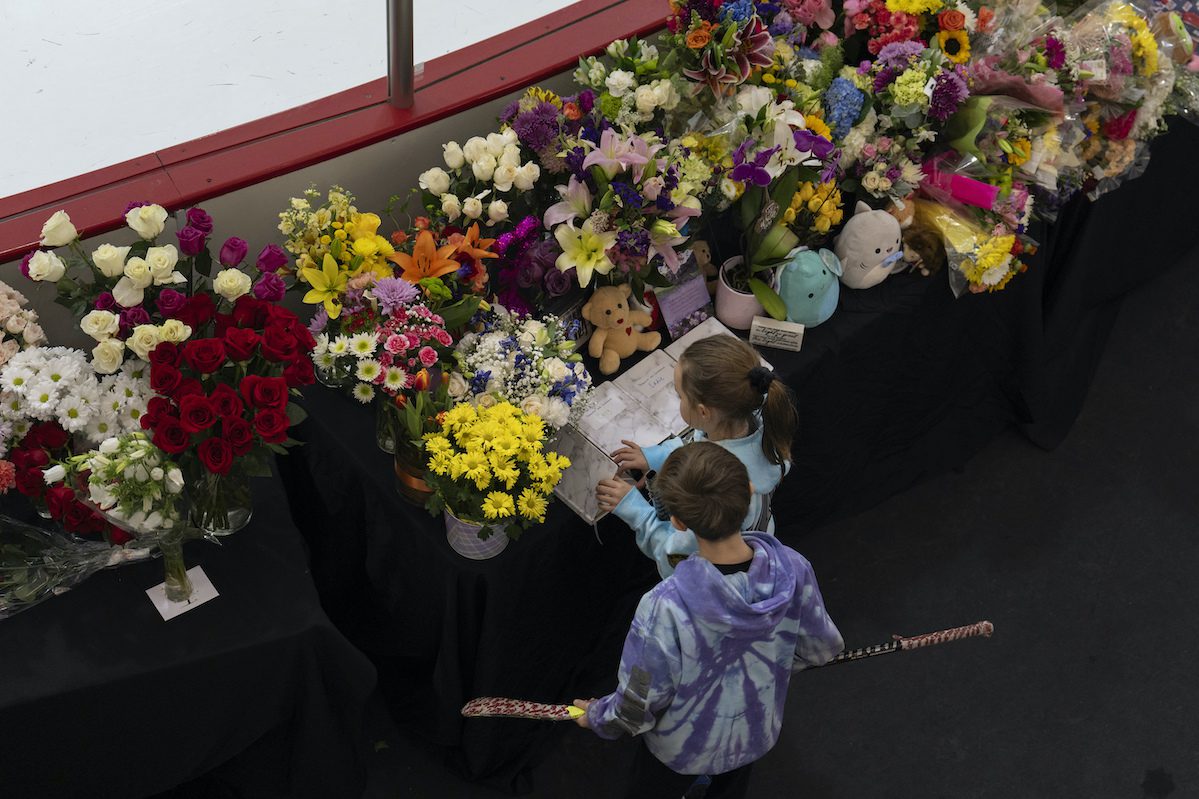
<point x="615" y="336"/>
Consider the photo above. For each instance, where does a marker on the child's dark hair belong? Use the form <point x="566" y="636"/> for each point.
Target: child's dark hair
<point x="725" y="373"/>
<point x="706" y="487"/>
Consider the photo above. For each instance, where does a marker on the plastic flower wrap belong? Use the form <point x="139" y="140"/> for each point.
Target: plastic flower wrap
<point x="981" y="259"/>
<point x="36" y="564"/>
<point x="488" y="465"/>
<point x="528" y="362"/>
<point x="716" y="46"/>
<point x="636" y="88"/>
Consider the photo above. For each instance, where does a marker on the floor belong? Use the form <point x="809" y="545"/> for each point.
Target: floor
<point x="1084" y="560"/>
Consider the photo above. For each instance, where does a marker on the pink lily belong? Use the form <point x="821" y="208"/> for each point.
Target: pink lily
<point x="663" y="238"/>
<point x="613" y="155"/>
<point x="646" y="150"/>
<point x="576" y="202"/>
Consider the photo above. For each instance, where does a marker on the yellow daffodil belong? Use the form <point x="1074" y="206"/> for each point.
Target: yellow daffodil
<point x="328" y="285"/>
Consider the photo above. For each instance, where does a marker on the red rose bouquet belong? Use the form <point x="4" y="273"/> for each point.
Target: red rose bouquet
<point x="223" y="403"/>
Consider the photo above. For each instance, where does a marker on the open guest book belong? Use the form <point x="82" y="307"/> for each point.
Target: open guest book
<point x="640" y="405"/>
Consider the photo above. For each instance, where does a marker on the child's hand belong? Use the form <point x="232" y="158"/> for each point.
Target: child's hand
<point x="582" y="720"/>
<point x="610" y="492"/>
<point x="630" y="457"/>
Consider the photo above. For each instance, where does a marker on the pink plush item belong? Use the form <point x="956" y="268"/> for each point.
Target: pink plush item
<point x="517" y="708"/>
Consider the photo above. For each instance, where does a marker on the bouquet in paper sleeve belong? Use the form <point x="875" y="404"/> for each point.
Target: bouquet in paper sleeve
<point x="19" y="327"/>
<point x="488" y="465"/>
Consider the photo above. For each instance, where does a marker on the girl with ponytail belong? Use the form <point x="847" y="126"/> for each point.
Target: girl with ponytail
<point x="729" y="398"/>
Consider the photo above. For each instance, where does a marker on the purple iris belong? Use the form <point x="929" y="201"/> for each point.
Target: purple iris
<point x="751" y="171"/>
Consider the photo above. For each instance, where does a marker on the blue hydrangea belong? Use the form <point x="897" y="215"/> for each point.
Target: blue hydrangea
<point x="478" y="383"/>
<point x="843" y="101"/>
<point x="739" y="10"/>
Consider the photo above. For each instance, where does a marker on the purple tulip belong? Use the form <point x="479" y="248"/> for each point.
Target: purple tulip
<point x="270" y="287"/>
<point x="197" y="218"/>
<point x="272" y="258"/>
<point x="191" y="241"/>
<point x="233" y="251"/>
<point x="105" y="301"/>
<point x="170" y="302"/>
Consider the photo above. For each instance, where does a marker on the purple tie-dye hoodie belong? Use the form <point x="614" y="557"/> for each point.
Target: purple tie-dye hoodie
<point x="708" y="658"/>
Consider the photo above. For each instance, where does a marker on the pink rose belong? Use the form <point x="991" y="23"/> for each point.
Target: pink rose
<point x="812" y="12"/>
<point x="428" y="356"/>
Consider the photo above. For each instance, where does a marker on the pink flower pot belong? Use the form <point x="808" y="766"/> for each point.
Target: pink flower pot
<point x="734" y="308"/>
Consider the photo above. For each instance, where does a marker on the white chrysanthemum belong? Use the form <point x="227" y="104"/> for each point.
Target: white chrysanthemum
<point x="971" y="18"/>
<point x="324" y="360"/>
<point x="16" y="378"/>
<point x="362" y="344"/>
<point x="395" y="378"/>
<point x="364" y="392"/>
<point x="100" y="428"/>
<point x="73" y="413"/>
<point x="368" y="370"/>
<point x="42" y="397"/>
<point x="322" y="344"/>
<point x="340" y="345"/>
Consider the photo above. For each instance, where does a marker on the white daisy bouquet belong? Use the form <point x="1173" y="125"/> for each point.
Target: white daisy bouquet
<point x="60" y="384"/>
<point x="528" y="362"/>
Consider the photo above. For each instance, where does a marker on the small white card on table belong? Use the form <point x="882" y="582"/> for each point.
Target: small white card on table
<point x="767" y="332"/>
<point x="202" y="591"/>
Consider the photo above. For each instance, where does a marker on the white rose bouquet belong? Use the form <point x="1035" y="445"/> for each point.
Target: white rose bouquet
<point x="19" y="328"/>
<point x="528" y="362"/>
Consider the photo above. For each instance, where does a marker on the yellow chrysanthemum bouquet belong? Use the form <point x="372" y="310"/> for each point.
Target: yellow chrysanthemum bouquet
<point x="487" y="466"/>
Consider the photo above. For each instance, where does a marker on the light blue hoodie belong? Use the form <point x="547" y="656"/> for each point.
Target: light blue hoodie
<point x="708" y="659"/>
<point x="666" y="545"/>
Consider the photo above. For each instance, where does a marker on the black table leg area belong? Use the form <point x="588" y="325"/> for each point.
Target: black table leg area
<point x="99" y="696"/>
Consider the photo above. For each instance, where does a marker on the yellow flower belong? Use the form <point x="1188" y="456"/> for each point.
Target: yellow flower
<point x="817" y="126"/>
<point x="441" y="463"/>
<point x="475" y="467"/>
<point x="498" y="505"/>
<point x="532" y="505"/>
<point x="328" y="284"/>
<point x="435" y="444"/>
<point x="916" y="7"/>
<point x="365" y="225"/>
<point x="955" y="45"/>
<point x="365" y="247"/>
<point x="339" y="234"/>
<point x="506" y="445"/>
<point x="505" y="470"/>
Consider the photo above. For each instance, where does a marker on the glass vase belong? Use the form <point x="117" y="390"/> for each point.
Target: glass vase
<point x="410" y="475"/>
<point x="339" y="375"/>
<point x="387" y="424"/>
<point x="220" y="503"/>
<point x="177" y="584"/>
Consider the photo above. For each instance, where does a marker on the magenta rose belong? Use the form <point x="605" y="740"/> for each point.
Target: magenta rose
<point x="105" y="301"/>
<point x="201" y="221"/>
<point x="270" y="287"/>
<point x="272" y="258"/>
<point x="25" y="262"/>
<point x="170" y="302"/>
<point x="233" y="251"/>
<point x="191" y="241"/>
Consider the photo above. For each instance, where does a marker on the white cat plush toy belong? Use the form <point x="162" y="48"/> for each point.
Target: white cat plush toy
<point x="870" y="246"/>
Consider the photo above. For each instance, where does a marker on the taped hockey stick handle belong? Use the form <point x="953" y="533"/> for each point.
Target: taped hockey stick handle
<point x="900" y="643"/>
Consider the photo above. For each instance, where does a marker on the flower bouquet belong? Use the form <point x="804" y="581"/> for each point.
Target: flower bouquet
<point x="19" y="328"/>
<point x="530" y="363"/>
<point x="637" y="90"/>
<point x="223" y="400"/>
<point x="490" y="474"/>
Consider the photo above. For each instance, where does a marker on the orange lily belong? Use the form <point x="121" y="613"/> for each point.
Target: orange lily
<point x="426" y="260"/>
<point x="474" y="247"/>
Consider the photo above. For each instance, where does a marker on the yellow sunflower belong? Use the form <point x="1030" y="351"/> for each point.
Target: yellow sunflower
<point x="955" y="45"/>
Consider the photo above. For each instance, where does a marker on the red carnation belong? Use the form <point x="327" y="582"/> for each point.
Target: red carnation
<point x="205" y="355"/>
<point x="48" y="435"/>
<point x="164" y="377"/>
<point x="241" y="343"/>
<point x="226" y="401"/>
<point x="165" y="352"/>
<point x="238" y="433"/>
<point x="169" y="436"/>
<point x="216" y="455"/>
<point x="196" y="413"/>
<point x="30" y="482"/>
<point x="272" y="425"/>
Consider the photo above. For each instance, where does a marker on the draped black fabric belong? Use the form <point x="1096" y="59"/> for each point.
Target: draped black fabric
<point x="903" y="382"/>
<point x="101" y="697"/>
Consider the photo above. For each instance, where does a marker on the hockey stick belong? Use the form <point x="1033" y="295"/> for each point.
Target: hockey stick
<point x="499" y="707"/>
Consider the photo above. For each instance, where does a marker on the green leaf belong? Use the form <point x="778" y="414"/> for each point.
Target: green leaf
<point x="139" y="249"/>
<point x="769" y="298"/>
<point x="749" y="207"/>
<point x="459" y="313"/>
<point x="784" y="189"/>
<point x="601" y="179"/>
<point x="203" y="263"/>
<point x="295" y="413"/>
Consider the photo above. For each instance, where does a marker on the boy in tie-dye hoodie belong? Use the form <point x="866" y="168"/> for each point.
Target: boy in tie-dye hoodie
<point x="706" y="664"/>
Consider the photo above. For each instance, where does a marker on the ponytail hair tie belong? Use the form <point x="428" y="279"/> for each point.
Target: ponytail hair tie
<point x="760" y="378"/>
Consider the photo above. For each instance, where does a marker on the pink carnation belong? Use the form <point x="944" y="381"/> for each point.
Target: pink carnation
<point x="443" y="338"/>
<point x="428" y="356"/>
<point x="395" y="344"/>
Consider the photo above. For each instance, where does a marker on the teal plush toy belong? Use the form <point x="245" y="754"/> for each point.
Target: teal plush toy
<point x="809" y="285"/>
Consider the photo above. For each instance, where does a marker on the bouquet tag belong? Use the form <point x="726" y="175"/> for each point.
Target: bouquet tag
<point x="767" y="332"/>
<point x="202" y="591"/>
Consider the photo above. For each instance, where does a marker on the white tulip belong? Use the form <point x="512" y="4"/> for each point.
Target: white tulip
<point x="55" y="474"/>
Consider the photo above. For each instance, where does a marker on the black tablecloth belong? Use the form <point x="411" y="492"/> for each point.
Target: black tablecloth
<point x="100" y="697"/>
<point x="902" y="383"/>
